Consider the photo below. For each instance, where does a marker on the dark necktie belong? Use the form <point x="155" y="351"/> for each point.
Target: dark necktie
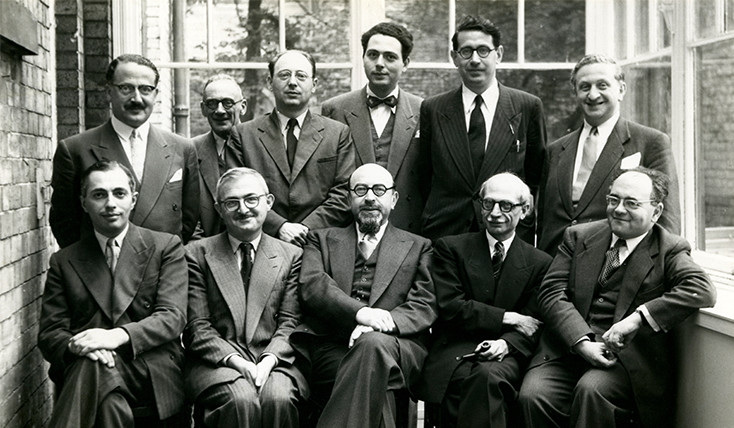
<point x="373" y="102"/>
<point x="499" y="253"/>
<point x="611" y="263"/>
<point x="222" y="161"/>
<point x="246" y="267"/>
<point x="477" y="135"/>
<point x="291" y="141"/>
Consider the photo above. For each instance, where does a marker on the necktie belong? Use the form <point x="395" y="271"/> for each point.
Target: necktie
<point x="477" y="134"/>
<point x="221" y="160"/>
<point x="367" y="245"/>
<point x="373" y="102"/>
<point x="246" y="266"/>
<point x="611" y="263"/>
<point x="111" y="253"/>
<point x="137" y="152"/>
<point x="588" y="159"/>
<point x="499" y="253"/>
<point x="291" y="141"/>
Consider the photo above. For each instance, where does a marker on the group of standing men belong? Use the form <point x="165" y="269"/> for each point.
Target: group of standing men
<point x="310" y="295"/>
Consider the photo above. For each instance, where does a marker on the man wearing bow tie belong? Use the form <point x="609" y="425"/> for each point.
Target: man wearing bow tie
<point x="384" y="119"/>
<point x="222" y="104"/>
<point x="165" y="164"/>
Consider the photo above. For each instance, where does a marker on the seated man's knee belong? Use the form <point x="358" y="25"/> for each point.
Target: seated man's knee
<point x="532" y="390"/>
<point x="373" y="340"/>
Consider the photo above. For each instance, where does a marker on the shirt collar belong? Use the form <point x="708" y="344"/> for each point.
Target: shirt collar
<point x="395" y="92"/>
<point x="218" y="143"/>
<point x="488" y="96"/>
<point x="235" y="243"/>
<point x="632" y="243"/>
<point x="492" y="240"/>
<point x="605" y="129"/>
<point x="102" y="240"/>
<point x="284" y="120"/>
<point x="378" y="235"/>
<point x="123" y="131"/>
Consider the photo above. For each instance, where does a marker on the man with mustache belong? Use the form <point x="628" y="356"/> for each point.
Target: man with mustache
<point x="164" y="164"/>
<point x="580" y="166"/>
<point x="383" y="118"/>
<point x="305" y="158"/>
<point x="368" y="302"/>
<point x="476" y="131"/>
<point x="222" y="104"/>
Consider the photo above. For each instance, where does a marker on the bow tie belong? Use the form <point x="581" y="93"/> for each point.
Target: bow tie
<point x="390" y="101"/>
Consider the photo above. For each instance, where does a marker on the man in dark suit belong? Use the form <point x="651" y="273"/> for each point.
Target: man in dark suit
<point x="383" y="119"/>
<point x="305" y="158"/>
<point x="580" y="166"/>
<point x="222" y="104"/>
<point x="113" y="309"/>
<point x="486" y="288"/>
<point x="476" y="131"/>
<point x="368" y="302"/>
<point x="164" y="164"/>
<point x="610" y="299"/>
<point x="239" y="369"/>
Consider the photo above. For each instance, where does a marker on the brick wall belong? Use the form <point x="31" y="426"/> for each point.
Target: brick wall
<point x="26" y="147"/>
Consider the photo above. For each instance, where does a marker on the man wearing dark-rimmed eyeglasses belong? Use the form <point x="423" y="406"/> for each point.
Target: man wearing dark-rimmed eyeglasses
<point x="164" y="164"/>
<point x="476" y="131"/>
<point x="223" y="105"/>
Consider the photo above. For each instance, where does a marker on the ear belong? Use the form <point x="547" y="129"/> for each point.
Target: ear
<point x="455" y="57"/>
<point x="315" y="83"/>
<point x="500" y="52"/>
<point x="84" y="205"/>
<point x="203" y="108"/>
<point x="135" y="200"/>
<point x="622" y="90"/>
<point x="395" y="197"/>
<point x="406" y="61"/>
<point x="658" y="212"/>
<point x="270" y="200"/>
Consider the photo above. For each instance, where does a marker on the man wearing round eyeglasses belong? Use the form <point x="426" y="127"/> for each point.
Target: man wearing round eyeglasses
<point x="222" y="104"/>
<point x="615" y="290"/>
<point x="305" y="158"/>
<point x="165" y="165"/>
<point x="488" y="326"/>
<point x="368" y="302"/>
<point x="243" y="305"/>
<point x="476" y="131"/>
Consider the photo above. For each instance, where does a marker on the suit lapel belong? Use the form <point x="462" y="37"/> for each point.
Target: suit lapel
<point x="453" y="130"/>
<point x="605" y="165"/>
<point x="223" y="265"/>
<point x="342" y="246"/>
<point x="158" y="164"/>
<point x="392" y="253"/>
<point x="309" y="139"/>
<point x="515" y="274"/>
<point x="589" y="263"/>
<point x="639" y="264"/>
<point x="402" y="135"/>
<point x="132" y="264"/>
<point x="209" y="159"/>
<point x="566" y="162"/>
<point x="501" y="136"/>
<point x="262" y="279"/>
<point x="479" y="269"/>
<point x="89" y="263"/>
<point x="110" y="147"/>
<point x="272" y="140"/>
<point x="358" y="120"/>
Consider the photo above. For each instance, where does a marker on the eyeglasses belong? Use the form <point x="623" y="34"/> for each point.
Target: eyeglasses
<point x="234" y="203"/>
<point x="378" y="189"/>
<point x="505" y="206"/>
<point x="227" y="103"/>
<point x="482" y="51"/>
<point x="628" y="204"/>
<point x="286" y="75"/>
<point x="127" y="89"/>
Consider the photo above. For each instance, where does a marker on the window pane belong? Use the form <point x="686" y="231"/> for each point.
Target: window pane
<point x="245" y="31"/>
<point x="664" y="17"/>
<point x="428" y="21"/>
<point x="503" y="13"/>
<point x="642" y="35"/>
<point x="319" y="27"/>
<point x="555" y="30"/>
<point x="714" y="70"/>
<point x="620" y="13"/>
<point x="729" y="15"/>
<point x="426" y="83"/>
<point x="648" y="81"/>
<point x="705" y="17"/>
<point x="331" y="83"/>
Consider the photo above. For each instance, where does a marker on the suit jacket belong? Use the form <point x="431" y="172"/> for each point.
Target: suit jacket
<point x="471" y="303"/>
<point x="516" y="144"/>
<point x="316" y="192"/>
<point x="206" y="150"/>
<point x="147" y="299"/>
<point x="555" y="207"/>
<point x="660" y="274"/>
<point x="402" y="285"/>
<point x="223" y="320"/>
<point x="404" y="160"/>
<point x="163" y="204"/>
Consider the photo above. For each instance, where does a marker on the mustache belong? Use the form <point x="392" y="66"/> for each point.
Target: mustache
<point x="134" y="105"/>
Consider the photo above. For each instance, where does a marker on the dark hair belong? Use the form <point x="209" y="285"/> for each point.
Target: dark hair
<point x="391" y="30"/>
<point x="271" y="64"/>
<point x="137" y="59"/>
<point x="596" y="59"/>
<point x="106" y="165"/>
<point x="476" y="23"/>
<point x="660" y="181"/>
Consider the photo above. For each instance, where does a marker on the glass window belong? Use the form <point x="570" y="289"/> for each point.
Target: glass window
<point x="646" y="81"/>
<point x="642" y="33"/>
<point x="428" y="21"/>
<point x="705" y="17"/>
<point x="503" y="13"/>
<point x="555" y="31"/>
<point x="320" y="27"/>
<point x="620" y="14"/>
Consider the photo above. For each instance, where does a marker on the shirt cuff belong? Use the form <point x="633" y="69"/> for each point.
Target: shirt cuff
<point x="226" y="359"/>
<point x="642" y="310"/>
<point x="277" y="361"/>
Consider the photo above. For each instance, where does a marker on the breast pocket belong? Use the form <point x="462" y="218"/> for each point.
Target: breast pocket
<point x="327" y="169"/>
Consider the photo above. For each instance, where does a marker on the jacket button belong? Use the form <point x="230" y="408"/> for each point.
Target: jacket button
<point x="175" y="207"/>
<point x="146" y="305"/>
<point x="545" y="358"/>
<point x="574" y="222"/>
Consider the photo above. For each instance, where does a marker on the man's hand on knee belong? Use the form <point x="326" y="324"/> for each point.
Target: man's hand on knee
<point x="263" y="369"/>
<point x="248" y="369"/>
<point x="595" y="353"/>
<point x="358" y="331"/>
<point x="97" y="338"/>
<point x="379" y="319"/>
<point x="103" y="356"/>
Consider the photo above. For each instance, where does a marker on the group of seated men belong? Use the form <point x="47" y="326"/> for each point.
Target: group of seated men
<point x="333" y="266"/>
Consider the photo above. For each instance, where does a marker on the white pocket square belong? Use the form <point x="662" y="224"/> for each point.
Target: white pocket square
<point x="631" y="161"/>
<point x="177" y="176"/>
<point x="417" y="133"/>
